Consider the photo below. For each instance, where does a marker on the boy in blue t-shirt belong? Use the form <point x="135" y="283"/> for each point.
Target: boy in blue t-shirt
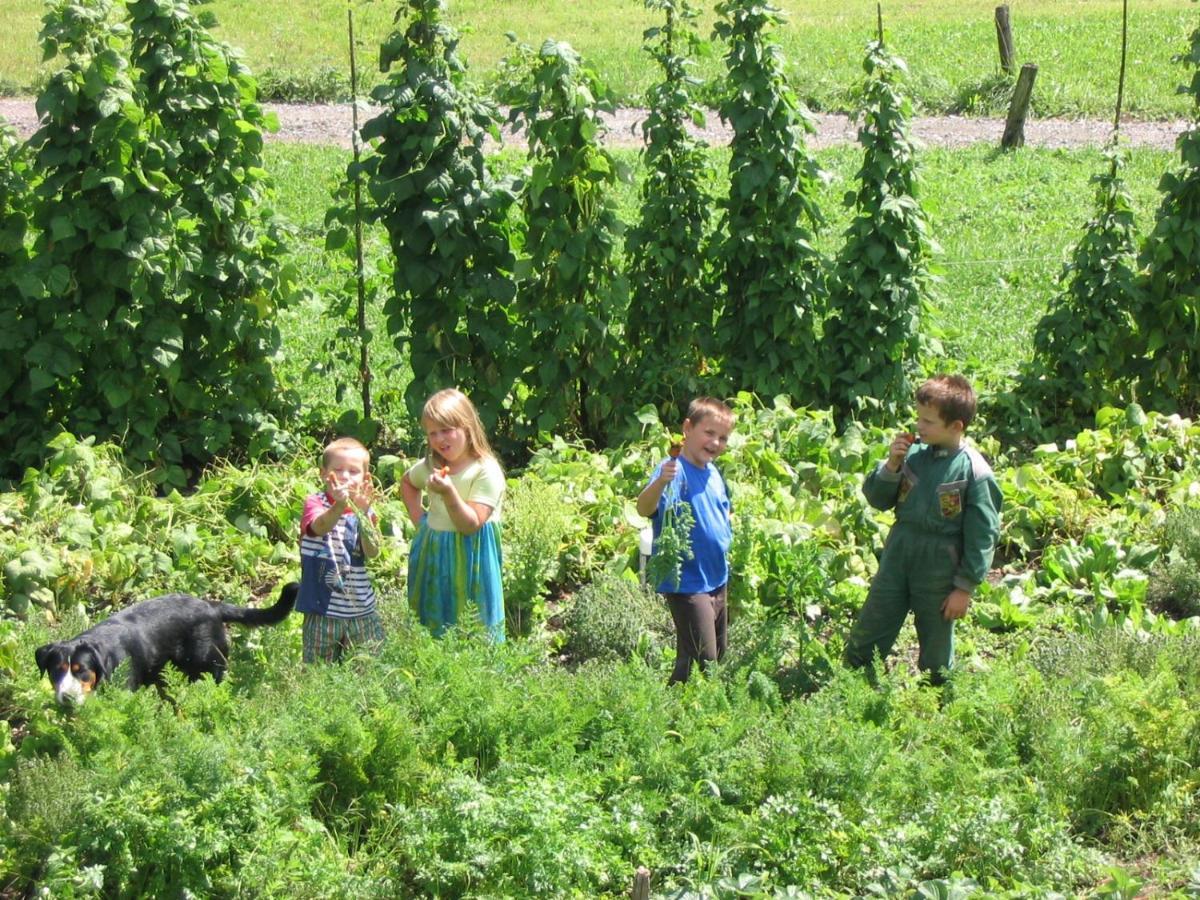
<point x="697" y="600"/>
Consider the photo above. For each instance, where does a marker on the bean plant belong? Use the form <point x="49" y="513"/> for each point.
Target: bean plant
<point x="1080" y="343"/>
<point x="146" y="312"/>
<point x="671" y="306"/>
<point x="1169" y="309"/>
<point x="446" y="216"/>
<point x="572" y="294"/>
<point x="764" y="253"/>
<point x="879" y="288"/>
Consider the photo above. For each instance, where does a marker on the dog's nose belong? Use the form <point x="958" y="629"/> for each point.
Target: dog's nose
<point x="70" y="691"/>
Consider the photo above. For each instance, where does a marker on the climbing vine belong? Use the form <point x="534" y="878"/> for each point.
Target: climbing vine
<point x="1080" y="345"/>
<point x="768" y="267"/>
<point x="671" y="305"/>
<point x="446" y="216"/>
<point x="572" y="293"/>
<point x="1167" y="364"/>
<point x="881" y="278"/>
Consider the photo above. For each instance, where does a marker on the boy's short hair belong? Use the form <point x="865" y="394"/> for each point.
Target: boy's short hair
<point x="341" y="445"/>
<point x="703" y="408"/>
<point x="951" y="395"/>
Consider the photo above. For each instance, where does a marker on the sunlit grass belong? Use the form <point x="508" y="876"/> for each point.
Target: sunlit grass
<point x="1006" y="224"/>
<point x="950" y="46"/>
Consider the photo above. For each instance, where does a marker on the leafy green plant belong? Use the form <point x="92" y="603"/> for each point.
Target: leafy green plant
<point x="879" y="287"/>
<point x="446" y="216"/>
<point x="613" y="617"/>
<point x="536" y="525"/>
<point x="16" y="200"/>
<point x="1080" y="346"/>
<point x="671" y="306"/>
<point x="673" y="546"/>
<point x="1175" y="579"/>
<point x="155" y="268"/>
<point x="764" y="254"/>
<point x="572" y="294"/>
<point x="1165" y="358"/>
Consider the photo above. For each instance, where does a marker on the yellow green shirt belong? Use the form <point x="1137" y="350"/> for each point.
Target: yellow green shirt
<point x="482" y="481"/>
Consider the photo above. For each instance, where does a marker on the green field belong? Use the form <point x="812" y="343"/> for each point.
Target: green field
<point x="1006" y="224"/>
<point x="950" y="47"/>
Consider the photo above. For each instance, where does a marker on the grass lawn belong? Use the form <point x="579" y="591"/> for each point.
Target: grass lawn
<point x="950" y="46"/>
<point x="1006" y="223"/>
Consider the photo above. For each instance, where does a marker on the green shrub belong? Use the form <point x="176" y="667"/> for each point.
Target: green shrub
<point x="536" y="524"/>
<point x="613" y="618"/>
<point x="1175" y="580"/>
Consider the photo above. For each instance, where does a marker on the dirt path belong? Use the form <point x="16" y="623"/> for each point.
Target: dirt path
<point x="330" y="124"/>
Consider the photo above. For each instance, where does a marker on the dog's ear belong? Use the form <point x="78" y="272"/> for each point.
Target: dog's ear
<point x="42" y="655"/>
<point x="90" y="656"/>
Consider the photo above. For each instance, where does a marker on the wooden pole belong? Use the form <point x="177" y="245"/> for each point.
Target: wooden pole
<point x="641" y="884"/>
<point x="1014" y="128"/>
<point x="1004" y="39"/>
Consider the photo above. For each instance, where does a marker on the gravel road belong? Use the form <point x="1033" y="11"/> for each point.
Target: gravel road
<point x="331" y="124"/>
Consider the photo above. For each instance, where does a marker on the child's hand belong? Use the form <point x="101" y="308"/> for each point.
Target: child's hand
<point x="668" y="472"/>
<point x="439" y="481"/>
<point x="899" y="449"/>
<point x="955" y="605"/>
<point x="362" y="495"/>
<point x="338" y="492"/>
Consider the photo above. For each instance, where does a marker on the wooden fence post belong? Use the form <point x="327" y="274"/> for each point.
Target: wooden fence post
<point x="1004" y="39"/>
<point x="641" y="884"/>
<point x="1014" y="128"/>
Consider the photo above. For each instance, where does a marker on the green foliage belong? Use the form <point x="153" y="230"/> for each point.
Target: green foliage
<point x="670" y="316"/>
<point x="16" y="201"/>
<point x="446" y="218"/>
<point x="1081" y="345"/>
<point x="613" y="617"/>
<point x="673" y="546"/>
<point x="147" y="311"/>
<point x="879" y="287"/>
<point x="1169" y="311"/>
<point x="764" y="254"/>
<point x="1175" y="579"/>
<point x="537" y="523"/>
<point x="572" y="294"/>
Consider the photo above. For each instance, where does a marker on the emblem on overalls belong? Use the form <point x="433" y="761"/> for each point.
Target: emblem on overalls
<point x="951" y="504"/>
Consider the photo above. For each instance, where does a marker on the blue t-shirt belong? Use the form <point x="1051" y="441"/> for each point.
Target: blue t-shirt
<point x="704" y="489"/>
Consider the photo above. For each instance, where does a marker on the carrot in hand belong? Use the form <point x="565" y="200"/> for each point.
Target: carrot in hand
<point x="444" y="471"/>
<point x="676" y="449"/>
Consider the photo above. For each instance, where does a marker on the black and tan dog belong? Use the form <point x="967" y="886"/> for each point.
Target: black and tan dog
<point x="186" y="631"/>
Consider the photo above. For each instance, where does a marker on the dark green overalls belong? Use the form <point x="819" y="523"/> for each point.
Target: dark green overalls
<point x="947" y="522"/>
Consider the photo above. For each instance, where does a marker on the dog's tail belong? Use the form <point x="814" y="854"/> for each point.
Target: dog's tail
<point x="272" y="615"/>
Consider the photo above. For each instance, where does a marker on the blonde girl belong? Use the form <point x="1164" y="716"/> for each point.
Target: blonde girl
<point x="455" y="559"/>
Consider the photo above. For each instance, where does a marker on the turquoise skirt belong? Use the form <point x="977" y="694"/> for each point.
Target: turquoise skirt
<point x="452" y="575"/>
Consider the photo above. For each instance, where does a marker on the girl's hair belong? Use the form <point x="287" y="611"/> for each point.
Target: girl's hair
<point x="343" y="444"/>
<point x="451" y="408"/>
<point x="708" y="407"/>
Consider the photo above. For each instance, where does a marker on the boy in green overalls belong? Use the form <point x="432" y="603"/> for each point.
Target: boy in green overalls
<point x="947" y="522"/>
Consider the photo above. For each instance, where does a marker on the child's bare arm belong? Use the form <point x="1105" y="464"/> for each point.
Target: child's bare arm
<point x="411" y="495"/>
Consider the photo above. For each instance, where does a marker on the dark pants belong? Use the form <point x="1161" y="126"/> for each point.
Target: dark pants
<point x="701" y="630"/>
<point x="916" y="574"/>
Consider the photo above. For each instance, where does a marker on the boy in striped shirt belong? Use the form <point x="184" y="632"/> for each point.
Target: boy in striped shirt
<point x="336" y="540"/>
